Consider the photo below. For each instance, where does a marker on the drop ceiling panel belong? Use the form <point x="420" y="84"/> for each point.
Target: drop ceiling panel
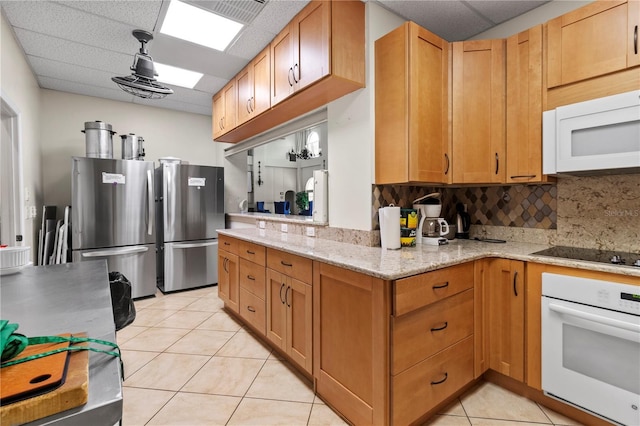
<point x="210" y="84"/>
<point x="140" y="14"/>
<point x="189" y="96"/>
<point x="277" y="14"/>
<point x="173" y="104"/>
<point x="250" y="43"/>
<point x="499" y="11"/>
<point x="72" y="73"/>
<point x="71" y="52"/>
<point x="83" y="89"/>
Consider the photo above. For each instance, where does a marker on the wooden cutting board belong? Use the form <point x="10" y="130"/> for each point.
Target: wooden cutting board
<point x="44" y="386"/>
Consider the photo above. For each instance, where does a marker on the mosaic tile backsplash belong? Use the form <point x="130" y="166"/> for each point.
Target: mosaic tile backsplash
<point x="522" y="206"/>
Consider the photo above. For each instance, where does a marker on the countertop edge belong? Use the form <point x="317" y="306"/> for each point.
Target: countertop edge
<point x="467" y="250"/>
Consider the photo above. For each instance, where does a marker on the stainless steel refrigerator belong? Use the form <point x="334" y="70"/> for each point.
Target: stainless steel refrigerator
<point x="189" y="211"/>
<point x="113" y="214"/>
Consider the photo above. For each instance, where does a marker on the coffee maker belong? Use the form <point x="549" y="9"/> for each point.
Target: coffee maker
<point x="431" y="228"/>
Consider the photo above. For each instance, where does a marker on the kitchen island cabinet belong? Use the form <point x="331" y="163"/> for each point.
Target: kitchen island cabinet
<point x="251" y="272"/>
<point x="478" y="111"/>
<point x="229" y="273"/>
<point x="289" y="306"/>
<point x="412" y="107"/>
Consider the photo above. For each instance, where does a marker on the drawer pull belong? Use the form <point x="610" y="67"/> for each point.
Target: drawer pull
<point x="445" y="285"/>
<point x="283" y="263"/>
<point x="251" y="309"/>
<point x="440" y="381"/>
<point x="286" y="296"/>
<point x="226" y="243"/>
<point x="250" y="277"/>
<point x="251" y="252"/>
<point x="281" y="298"/>
<point x="446" y="324"/>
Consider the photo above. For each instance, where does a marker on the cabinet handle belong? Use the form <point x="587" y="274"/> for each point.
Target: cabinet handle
<point x="221" y="125"/>
<point x="285" y="263"/>
<point x="281" y="298"/>
<point x="252" y="104"/>
<point x="523" y="176"/>
<point x="497" y="163"/>
<point x="445" y="285"/>
<point x="227" y="244"/>
<point x="251" y="309"/>
<point x="294" y="73"/>
<point x="249" y="105"/>
<point x="289" y="75"/>
<point x="446" y="156"/>
<point x="635" y="40"/>
<point x="250" y="277"/>
<point x="251" y="252"/>
<point x="441" y="381"/>
<point x="224" y="264"/>
<point x="286" y="296"/>
<point x="515" y="280"/>
<point x="446" y="324"/>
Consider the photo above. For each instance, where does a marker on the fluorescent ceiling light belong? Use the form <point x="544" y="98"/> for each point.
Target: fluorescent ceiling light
<point x="199" y="26"/>
<point x="177" y="76"/>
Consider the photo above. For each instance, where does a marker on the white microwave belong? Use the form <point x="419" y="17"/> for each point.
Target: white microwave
<point x="597" y="136"/>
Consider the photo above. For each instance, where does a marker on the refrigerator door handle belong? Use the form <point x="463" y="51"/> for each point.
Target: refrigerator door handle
<point x="116" y="252"/>
<point x="194" y="245"/>
<point x="151" y="202"/>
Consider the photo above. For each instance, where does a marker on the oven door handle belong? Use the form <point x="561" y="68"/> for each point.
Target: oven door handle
<point x="595" y="318"/>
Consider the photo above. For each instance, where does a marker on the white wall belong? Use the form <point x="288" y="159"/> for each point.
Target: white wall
<point x="351" y="121"/>
<point x="21" y="89"/>
<point x="165" y="132"/>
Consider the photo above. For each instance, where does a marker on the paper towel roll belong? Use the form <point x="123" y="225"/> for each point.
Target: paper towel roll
<point x="389" y="227"/>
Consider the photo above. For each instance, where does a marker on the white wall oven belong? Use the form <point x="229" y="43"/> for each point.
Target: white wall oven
<point x="591" y="345"/>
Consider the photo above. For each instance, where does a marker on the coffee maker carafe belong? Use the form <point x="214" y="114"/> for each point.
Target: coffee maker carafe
<point x="431" y="228"/>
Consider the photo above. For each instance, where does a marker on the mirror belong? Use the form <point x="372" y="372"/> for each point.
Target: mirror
<point x="280" y="170"/>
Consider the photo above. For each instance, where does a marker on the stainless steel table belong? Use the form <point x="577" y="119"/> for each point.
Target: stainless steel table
<point x="75" y="297"/>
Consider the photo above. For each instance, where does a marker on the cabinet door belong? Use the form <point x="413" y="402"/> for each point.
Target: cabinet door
<point x="524" y="107"/>
<point x="228" y="282"/>
<point x="311" y="29"/>
<point x="282" y="65"/>
<point x="478" y="111"/>
<point x="230" y="101"/>
<point x="595" y="40"/>
<point x="506" y="317"/>
<point x="218" y="113"/>
<point x="245" y="94"/>
<point x="351" y="342"/>
<point x="299" y="308"/>
<point x="276" y="308"/>
<point x="412" y="107"/>
<point x="261" y="82"/>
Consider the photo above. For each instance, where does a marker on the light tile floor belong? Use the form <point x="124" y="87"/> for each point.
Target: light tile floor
<point x="187" y="362"/>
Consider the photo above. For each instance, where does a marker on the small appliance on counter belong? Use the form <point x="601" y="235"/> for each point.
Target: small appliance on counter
<point x="431" y="228"/>
<point x="463" y="222"/>
<point x="98" y="139"/>
<point x="132" y="147"/>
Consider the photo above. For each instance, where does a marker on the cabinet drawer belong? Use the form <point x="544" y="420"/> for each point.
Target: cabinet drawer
<point x="252" y="252"/>
<point x="291" y="265"/>
<point x="228" y="244"/>
<point x="252" y="308"/>
<point x="252" y="278"/>
<point x="425" y="385"/>
<point x="427" y="331"/>
<point x="420" y="290"/>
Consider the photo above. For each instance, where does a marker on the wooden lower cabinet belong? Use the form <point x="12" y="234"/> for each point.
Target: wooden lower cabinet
<point x="228" y="279"/>
<point x="252" y="308"/>
<point x="430" y="382"/>
<point x="351" y="342"/>
<point x="289" y="317"/>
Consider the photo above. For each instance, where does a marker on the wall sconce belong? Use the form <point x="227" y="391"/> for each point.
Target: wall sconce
<point x="260" y="181"/>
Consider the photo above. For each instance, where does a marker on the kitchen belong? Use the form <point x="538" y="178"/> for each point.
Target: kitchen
<point x="581" y="207"/>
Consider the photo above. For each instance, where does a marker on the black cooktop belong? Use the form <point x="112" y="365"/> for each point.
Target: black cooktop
<point x="592" y="255"/>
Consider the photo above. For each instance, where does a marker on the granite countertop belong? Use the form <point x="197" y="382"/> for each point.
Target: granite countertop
<point x="395" y="264"/>
<point x="291" y="218"/>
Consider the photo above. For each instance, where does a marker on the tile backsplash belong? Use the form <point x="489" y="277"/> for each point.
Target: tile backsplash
<point x="528" y="206"/>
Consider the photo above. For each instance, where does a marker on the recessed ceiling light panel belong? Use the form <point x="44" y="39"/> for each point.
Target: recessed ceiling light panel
<point x="199" y="26"/>
<point x="177" y="76"/>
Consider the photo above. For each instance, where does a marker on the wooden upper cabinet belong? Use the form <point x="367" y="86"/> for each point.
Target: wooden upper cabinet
<point x="253" y="85"/>
<point x="478" y="111"/>
<point x="301" y="51"/>
<point x="524" y="107"/>
<point x="597" y="39"/>
<point x="224" y="110"/>
<point x="412" y="107"/>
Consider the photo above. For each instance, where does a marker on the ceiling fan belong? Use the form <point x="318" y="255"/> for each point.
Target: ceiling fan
<point x="142" y="82"/>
